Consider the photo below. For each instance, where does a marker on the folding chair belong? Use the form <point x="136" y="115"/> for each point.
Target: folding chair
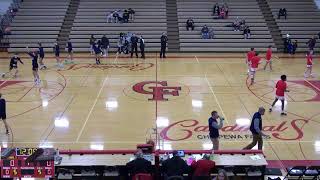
<point x="312" y="171"/>
<point x="296" y="171"/>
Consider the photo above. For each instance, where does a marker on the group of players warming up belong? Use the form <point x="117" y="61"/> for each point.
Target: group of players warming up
<point x="37" y="57"/>
<point x="253" y="60"/>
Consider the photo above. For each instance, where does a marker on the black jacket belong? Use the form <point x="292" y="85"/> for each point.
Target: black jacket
<point x="104" y="42"/>
<point x="164" y="40"/>
<point x="175" y="166"/>
<point x="134" y="40"/>
<point x="139" y="165"/>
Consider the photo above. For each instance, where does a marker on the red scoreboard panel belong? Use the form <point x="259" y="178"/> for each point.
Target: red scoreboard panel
<point x="15" y="166"/>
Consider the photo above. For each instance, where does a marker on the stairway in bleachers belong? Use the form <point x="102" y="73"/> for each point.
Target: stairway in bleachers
<point x="37" y="21"/>
<point x="172" y="23"/>
<point x="63" y="36"/>
<point x="271" y="23"/>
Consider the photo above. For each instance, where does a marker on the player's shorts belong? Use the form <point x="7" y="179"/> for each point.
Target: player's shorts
<point x="13" y="67"/>
<point x="270" y="60"/>
<point x="3" y="116"/>
<point x="309" y="65"/>
<point x="253" y="69"/>
<point x="35" y="68"/>
<point x="41" y="56"/>
<point x="280" y="97"/>
<point x="57" y="54"/>
<point x="70" y="51"/>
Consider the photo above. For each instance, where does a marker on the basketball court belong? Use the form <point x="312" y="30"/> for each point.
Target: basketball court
<point x="125" y="101"/>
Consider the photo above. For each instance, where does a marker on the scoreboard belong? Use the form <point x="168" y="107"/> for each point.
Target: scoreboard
<point x="16" y="166"/>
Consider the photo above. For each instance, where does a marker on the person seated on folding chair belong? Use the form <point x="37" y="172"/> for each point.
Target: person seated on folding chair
<point x="205" y="32"/>
<point x="139" y="165"/>
<point x="175" y="167"/>
<point x="202" y="168"/>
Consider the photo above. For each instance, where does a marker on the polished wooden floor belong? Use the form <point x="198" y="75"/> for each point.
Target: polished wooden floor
<point x="116" y="105"/>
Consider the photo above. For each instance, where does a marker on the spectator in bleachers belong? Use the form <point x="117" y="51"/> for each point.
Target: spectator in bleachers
<point x="134" y="45"/>
<point x="142" y="47"/>
<point x="226" y="9"/>
<point x="311" y="43"/>
<point x="105" y="45"/>
<point x="202" y="168"/>
<point x="295" y="46"/>
<point x="256" y="130"/>
<point x="211" y="33"/>
<point x="110" y="17"/>
<point x="205" y="32"/>
<point x="125" y="16"/>
<point x="247" y="32"/>
<point x="120" y="16"/>
<point x="222" y="13"/>
<point x="282" y="12"/>
<point x="175" y="166"/>
<point x="92" y="40"/>
<point x="190" y="24"/>
<point x="131" y="14"/>
<point x="115" y="15"/>
<point x="222" y="175"/>
<point x="215" y="9"/>
<point x="236" y="24"/>
<point x="163" y="40"/>
<point x="139" y="165"/>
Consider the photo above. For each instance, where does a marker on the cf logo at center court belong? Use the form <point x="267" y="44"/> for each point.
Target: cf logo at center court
<point x="157" y="89"/>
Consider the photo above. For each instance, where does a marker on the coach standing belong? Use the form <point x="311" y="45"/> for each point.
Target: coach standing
<point x="256" y="129"/>
<point x="164" y="40"/>
<point x="134" y="45"/>
<point x="3" y="113"/>
<point x="214" y="129"/>
<point x="142" y="47"/>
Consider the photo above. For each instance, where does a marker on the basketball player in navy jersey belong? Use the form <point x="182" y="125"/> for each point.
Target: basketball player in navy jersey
<point x="41" y="56"/>
<point x="13" y="65"/>
<point x="34" y="55"/>
<point x="70" y="51"/>
<point x="97" y="51"/>
<point x="56" y="50"/>
<point x="3" y="115"/>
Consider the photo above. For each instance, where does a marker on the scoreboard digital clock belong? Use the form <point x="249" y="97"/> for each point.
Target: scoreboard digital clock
<point x="25" y="151"/>
<point x="16" y="166"/>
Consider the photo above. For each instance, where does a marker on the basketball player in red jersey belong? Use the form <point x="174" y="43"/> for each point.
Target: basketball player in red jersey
<point x="250" y="54"/>
<point x="255" y="61"/>
<point x="308" y="71"/>
<point x="281" y="89"/>
<point x="268" y="58"/>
